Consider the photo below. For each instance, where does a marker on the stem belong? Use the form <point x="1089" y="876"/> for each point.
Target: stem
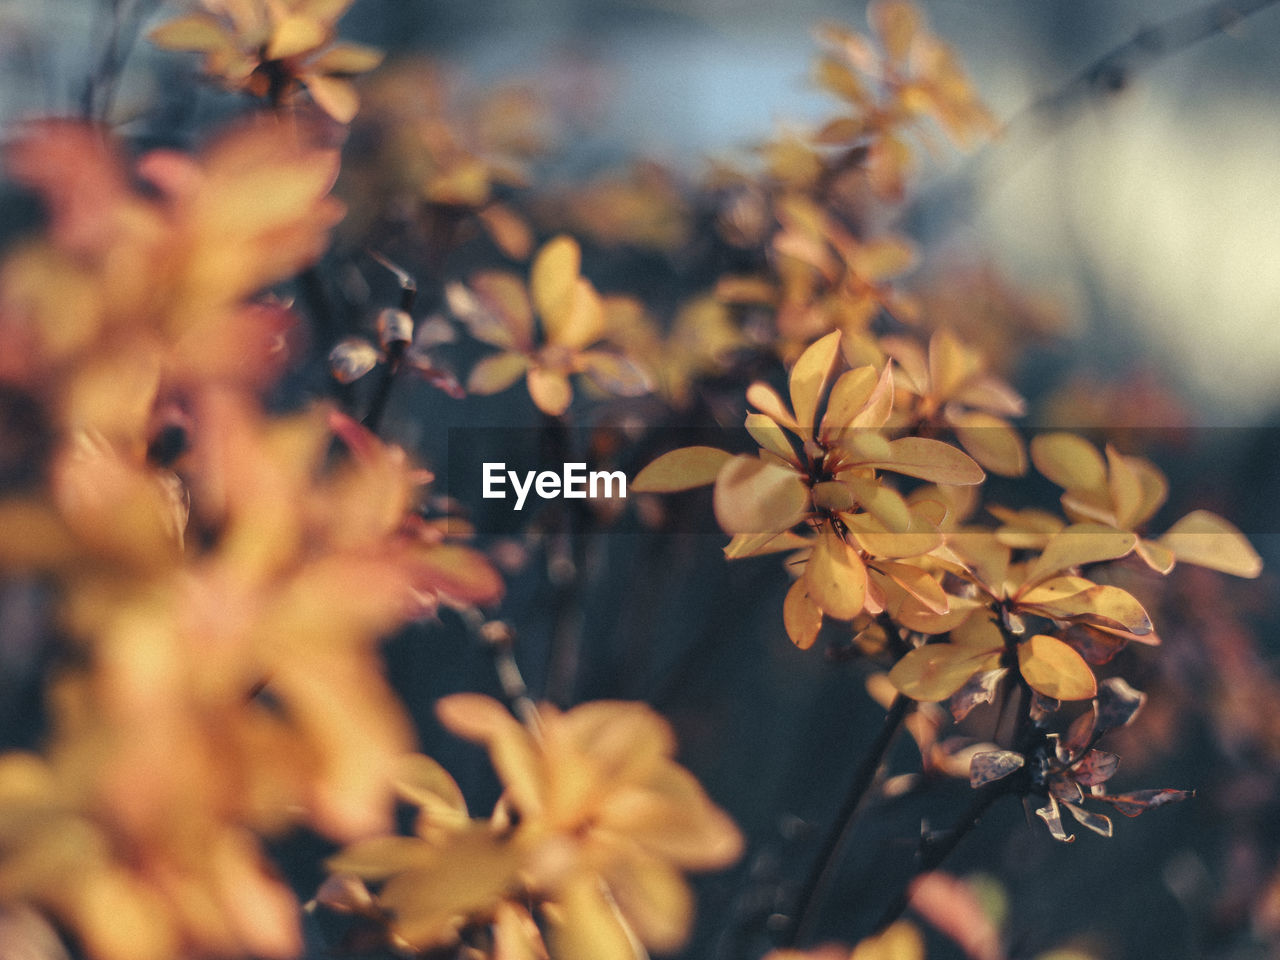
<point x="808" y="904"/>
<point x="1112" y="71"/>
<point x="933" y="852"/>
<point x="100" y="89"/>
<point x="500" y="639"/>
<point x="566" y="565"/>
<point x="382" y="392"/>
<point x="1105" y="76"/>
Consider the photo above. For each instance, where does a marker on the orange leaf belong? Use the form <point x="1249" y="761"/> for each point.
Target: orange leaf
<point x="850" y="394"/>
<point x="550" y="391"/>
<point x="1106" y="605"/>
<point x="334" y="95"/>
<point x="1157" y="556"/>
<point x="296" y="34"/>
<point x="919" y="584"/>
<point x="951" y="363"/>
<point x="931" y="460"/>
<point x="1055" y="670"/>
<point x="992" y="442"/>
<point x="198" y="32"/>
<point x="766" y="399"/>
<point x="936" y="671"/>
<point x="879" y="405"/>
<point x="809" y="377"/>
<point x="754" y="495"/>
<point x="834" y="76"/>
<point x="1207" y="540"/>
<point x="836" y="577"/>
<point x="801" y="615"/>
<point x="1071" y="462"/>
<point x="681" y="469"/>
<point x="582" y="324"/>
<point x="766" y="432"/>
<point x="496" y="373"/>
<point x="1080" y="544"/>
<point x="614" y="374"/>
<point x="553" y="279"/>
<point x="896" y="23"/>
<point x="883" y="503"/>
<point x="496" y="309"/>
<point x="346" y="58"/>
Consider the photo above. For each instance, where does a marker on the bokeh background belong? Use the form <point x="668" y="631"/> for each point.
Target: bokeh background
<point x="1147" y="212"/>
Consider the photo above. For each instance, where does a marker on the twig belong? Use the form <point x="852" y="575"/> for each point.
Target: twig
<point x="566" y="566"/>
<point x="1106" y="75"/>
<point x="395" y="349"/>
<point x="935" y="850"/>
<point x="808" y="904"/>
<point x="1112" y="71"/>
<point x="100" y="88"/>
<point x="500" y="639"/>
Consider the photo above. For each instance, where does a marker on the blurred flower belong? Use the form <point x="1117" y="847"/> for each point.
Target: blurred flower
<point x="136" y="295"/>
<point x="499" y="310"/>
<point x="597" y="824"/>
<point x="274" y="48"/>
<point x="913" y="74"/>
<point x="947" y="386"/>
<point x="699" y="343"/>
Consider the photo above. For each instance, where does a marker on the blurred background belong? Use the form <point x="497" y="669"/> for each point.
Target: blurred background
<point x="1147" y="212"/>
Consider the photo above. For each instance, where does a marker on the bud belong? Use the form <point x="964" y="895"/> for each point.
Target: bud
<point x="394" y="326"/>
<point x="352" y="359"/>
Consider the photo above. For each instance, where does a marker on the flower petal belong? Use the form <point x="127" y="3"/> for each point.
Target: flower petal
<point x="496" y="373"/>
<point x="550" y="391"/>
<point x="553" y="279"/>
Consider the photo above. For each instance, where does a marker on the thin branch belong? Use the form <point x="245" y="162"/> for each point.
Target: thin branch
<point x="396" y="348"/>
<point x="567" y="565"/>
<point x="934" y="850"/>
<point x="500" y="640"/>
<point x="1104" y="76"/>
<point x="808" y="904"/>
<point x="121" y="34"/>
<point x="1114" y="69"/>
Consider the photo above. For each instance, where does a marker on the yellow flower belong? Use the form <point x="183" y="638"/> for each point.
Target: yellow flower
<point x="132" y="295"/>
<point x="274" y="48"/>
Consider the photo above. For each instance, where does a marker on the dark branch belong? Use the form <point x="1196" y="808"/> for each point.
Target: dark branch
<point x="808" y="904"/>
<point x="1114" y="70"/>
